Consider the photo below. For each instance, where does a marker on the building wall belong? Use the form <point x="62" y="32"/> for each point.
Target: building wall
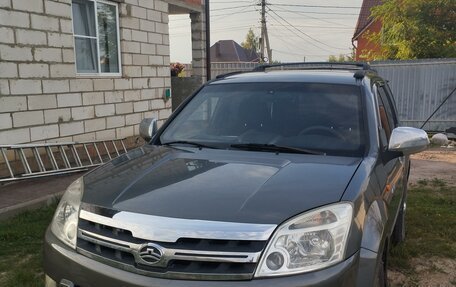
<point x="42" y="99"/>
<point x="363" y="45"/>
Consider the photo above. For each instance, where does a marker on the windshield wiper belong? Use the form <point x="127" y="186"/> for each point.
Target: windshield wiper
<point x="198" y="145"/>
<point x="275" y="148"/>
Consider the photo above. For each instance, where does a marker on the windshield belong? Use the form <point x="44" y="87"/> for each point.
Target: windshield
<point x="320" y="117"/>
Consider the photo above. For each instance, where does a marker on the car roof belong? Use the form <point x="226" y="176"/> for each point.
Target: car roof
<point x="345" y="77"/>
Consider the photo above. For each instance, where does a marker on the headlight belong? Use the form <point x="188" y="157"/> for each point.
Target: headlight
<point x="308" y="242"/>
<point x="65" y="222"/>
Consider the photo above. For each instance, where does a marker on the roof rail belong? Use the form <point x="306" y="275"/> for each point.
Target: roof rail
<point x="319" y="66"/>
<point x="221" y="76"/>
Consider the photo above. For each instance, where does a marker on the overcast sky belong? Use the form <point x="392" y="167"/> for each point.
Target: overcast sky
<point x="296" y="32"/>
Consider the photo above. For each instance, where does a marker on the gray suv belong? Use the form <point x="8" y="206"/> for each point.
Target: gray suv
<point x="289" y="175"/>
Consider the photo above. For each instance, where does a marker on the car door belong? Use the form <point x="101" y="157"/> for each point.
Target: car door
<point x="391" y="168"/>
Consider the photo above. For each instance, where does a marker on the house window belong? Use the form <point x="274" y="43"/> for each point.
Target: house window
<point x="96" y="37"/>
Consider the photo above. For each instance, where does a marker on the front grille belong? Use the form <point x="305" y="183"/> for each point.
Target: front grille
<point x="187" y="258"/>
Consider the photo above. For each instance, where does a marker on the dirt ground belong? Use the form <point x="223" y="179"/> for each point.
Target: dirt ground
<point x="437" y="163"/>
<point x="434" y="163"/>
<point x="432" y="272"/>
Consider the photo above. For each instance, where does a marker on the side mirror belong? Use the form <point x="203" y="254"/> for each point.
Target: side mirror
<point x="408" y="140"/>
<point x="148" y="128"/>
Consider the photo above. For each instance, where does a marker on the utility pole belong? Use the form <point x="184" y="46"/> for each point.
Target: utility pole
<point x="265" y="45"/>
<point x="208" y="40"/>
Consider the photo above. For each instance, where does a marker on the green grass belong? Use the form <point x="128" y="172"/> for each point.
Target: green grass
<point x="21" y="245"/>
<point x="431" y="224"/>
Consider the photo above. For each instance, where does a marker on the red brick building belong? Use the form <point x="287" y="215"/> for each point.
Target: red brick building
<point x="364" y="26"/>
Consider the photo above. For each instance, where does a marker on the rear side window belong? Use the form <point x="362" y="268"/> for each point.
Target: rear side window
<point x="322" y="117"/>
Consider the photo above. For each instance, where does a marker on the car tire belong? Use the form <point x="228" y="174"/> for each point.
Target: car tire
<point x="381" y="279"/>
<point x="398" y="235"/>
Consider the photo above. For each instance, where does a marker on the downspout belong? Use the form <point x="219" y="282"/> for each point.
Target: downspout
<point x="355" y="49"/>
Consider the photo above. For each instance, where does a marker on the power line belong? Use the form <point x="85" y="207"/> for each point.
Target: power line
<point x="230" y="2"/>
<point x="285" y="40"/>
<point x="231" y="8"/>
<point x="305" y="34"/>
<point x="316" y="6"/>
<point x="299" y="36"/>
<point x="281" y="9"/>
<point x="320" y="27"/>
<point x="238" y="28"/>
<point x="243" y="11"/>
<point x="315" y="18"/>
<point x="322" y="13"/>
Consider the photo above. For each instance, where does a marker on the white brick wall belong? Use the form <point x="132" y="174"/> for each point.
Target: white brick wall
<point x="33" y="71"/>
<point x="83" y="113"/>
<point x="27" y="5"/>
<point x="56" y="86"/>
<point x="14" y="19"/>
<point x="6" y="35"/>
<point x="69" y="100"/>
<point x="25" y="87"/>
<point x="31" y="37"/>
<point x="8" y="70"/>
<point x="22" y="119"/>
<point x="92" y="98"/>
<point x="42" y="98"/>
<point x="115" y="122"/>
<point x="14" y="136"/>
<point x="95" y="125"/>
<point x="44" y="132"/>
<point x="105" y="110"/>
<point x="48" y="55"/>
<point x="6" y="121"/>
<point x="41" y="102"/>
<point x="15" y="53"/>
<point x="73" y="128"/>
<point x="5" y="3"/>
<point x="57" y="115"/>
<point x="45" y="23"/>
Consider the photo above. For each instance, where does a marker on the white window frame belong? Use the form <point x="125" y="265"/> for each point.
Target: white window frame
<point x="99" y="74"/>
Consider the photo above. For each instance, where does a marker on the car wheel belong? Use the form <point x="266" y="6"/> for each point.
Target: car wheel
<point x="398" y="235"/>
<point x="381" y="279"/>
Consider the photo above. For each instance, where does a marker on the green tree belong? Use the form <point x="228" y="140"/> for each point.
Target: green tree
<point x="340" y="58"/>
<point x="252" y="41"/>
<point x="414" y="29"/>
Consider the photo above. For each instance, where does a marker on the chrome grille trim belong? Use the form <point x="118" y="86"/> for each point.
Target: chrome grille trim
<point x="166" y="229"/>
<point x="167" y="275"/>
<point x="172" y="248"/>
<point x="171" y="254"/>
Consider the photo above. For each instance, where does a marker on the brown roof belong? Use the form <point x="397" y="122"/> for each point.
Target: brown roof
<point x="365" y="18"/>
<point x="230" y="51"/>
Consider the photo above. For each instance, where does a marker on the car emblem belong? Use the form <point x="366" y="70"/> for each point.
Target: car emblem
<point x="151" y="253"/>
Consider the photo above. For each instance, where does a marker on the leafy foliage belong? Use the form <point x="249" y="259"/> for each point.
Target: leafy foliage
<point x="252" y="42"/>
<point x="340" y="58"/>
<point x="414" y="29"/>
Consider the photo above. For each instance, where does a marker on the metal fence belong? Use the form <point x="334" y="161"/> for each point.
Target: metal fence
<point x="419" y="87"/>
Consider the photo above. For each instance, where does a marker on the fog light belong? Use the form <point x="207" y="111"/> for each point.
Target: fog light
<point x="275" y="261"/>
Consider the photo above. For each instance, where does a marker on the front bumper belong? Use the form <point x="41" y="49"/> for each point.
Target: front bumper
<point x="63" y="263"/>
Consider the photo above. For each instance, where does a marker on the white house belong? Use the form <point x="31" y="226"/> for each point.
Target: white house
<point x="81" y="70"/>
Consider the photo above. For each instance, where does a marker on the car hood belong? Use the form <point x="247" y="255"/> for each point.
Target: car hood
<point x="218" y="185"/>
